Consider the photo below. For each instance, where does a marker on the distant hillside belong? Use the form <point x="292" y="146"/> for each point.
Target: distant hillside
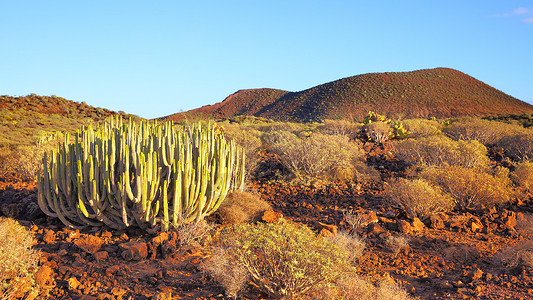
<point x="439" y="93"/>
<point x="23" y="119"/>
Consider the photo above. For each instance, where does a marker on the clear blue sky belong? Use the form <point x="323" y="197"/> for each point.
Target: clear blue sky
<point x="154" y="58"/>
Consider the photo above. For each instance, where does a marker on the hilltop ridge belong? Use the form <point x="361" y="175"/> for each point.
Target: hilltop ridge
<point x="439" y="92"/>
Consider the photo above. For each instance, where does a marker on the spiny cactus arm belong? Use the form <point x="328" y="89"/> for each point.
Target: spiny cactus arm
<point x="164" y="200"/>
<point x="176" y="199"/>
<point x="43" y="196"/>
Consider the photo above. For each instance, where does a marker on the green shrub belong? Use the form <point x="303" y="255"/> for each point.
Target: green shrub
<point x="417" y="198"/>
<point x="440" y="151"/>
<point x="317" y="156"/>
<point x="282" y="259"/>
<point x="18" y="261"/>
<point x="470" y="188"/>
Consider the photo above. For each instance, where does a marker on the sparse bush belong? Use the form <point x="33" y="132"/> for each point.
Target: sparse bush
<point x="284" y="259"/>
<point x="418" y="198"/>
<point x="378" y="132"/>
<point x="422" y="128"/>
<point x="519" y="146"/>
<point x="231" y="275"/>
<point x="192" y="234"/>
<point x="440" y="151"/>
<point x="354" y="220"/>
<point x="518" y="257"/>
<point x="396" y="243"/>
<point x="523" y="175"/>
<point x="352" y="244"/>
<point x="18" y="261"/>
<point x="470" y="188"/>
<point x="318" y="156"/>
<point x="484" y="131"/>
<point x="241" y="207"/>
<point x="340" y="127"/>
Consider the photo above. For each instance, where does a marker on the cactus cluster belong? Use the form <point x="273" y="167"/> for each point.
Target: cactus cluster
<point x="149" y="174"/>
<point x="397" y="130"/>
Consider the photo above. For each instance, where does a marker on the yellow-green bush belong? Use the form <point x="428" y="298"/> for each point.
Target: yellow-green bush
<point x="282" y="259"/>
<point x="470" y="188"/>
<point x="417" y="198"/>
<point x="18" y="261"/>
<point x="441" y="151"/>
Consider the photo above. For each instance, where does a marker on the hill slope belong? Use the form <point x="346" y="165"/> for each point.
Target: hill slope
<point x="439" y="92"/>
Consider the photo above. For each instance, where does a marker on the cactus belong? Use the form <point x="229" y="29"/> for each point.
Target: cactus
<point x="149" y="174"/>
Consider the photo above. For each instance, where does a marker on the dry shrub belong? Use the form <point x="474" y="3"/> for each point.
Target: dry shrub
<point x="233" y="277"/>
<point x="518" y="257"/>
<point x="317" y="156"/>
<point x="354" y="220"/>
<point x="518" y="146"/>
<point x="352" y="244"/>
<point x="378" y="132"/>
<point x="440" y="151"/>
<point x="470" y="188"/>
<point x="18" y="261"/>
<point x="242" y="207"/>
<point x="340" y="127"/>
<point x="283" y="259"/>
<point x="523" y="175"/>
<point x="396" y="243"/>
<point x="418" y="198"/>
<point x="192" y="234"/>
<point x="485" y="131"/>
<point x="282" y="126"/>
<point x="422" y="128"/>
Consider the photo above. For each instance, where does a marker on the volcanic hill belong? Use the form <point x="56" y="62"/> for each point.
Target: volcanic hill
<point x="440" y="93"/>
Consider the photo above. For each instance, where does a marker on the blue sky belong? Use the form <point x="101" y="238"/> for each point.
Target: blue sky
<point x="155" y="58"/>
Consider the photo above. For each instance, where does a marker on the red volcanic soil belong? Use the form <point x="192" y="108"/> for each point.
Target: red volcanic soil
<point x="453" y="256"/>
<point x="439" y="93"/>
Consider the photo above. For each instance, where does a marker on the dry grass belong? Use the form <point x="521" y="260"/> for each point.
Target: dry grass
<point x="518" y="257"/>
<point x="352" y="244"/>
<point x="231" y="275"/>
<point x="18" y="261"/>
<point x="418" y="198"/>
<point x="242" y="207"/>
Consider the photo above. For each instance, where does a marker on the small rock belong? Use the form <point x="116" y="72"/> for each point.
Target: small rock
<point x="476" y="227"/>
<point x="376" y="229"/>
<point x="163" y="296"/>
<point x="73" y="283"/>
<point x="477" y="274"/>
<point x="328" y="227"/>
<point x="10" y="210"/>
<point x="49" y="236"/>
<point x="118" y="292"/>
<point x="101" y="256"/>
<point x="509" y="222"/>
<point x="436" y="222"/>
<point x="43" y="276"/>
<point x="89" y="243"/>
<point x="112" y="270"/>
<point x="418" y="225"/>
<point x="134" y="250"/>
<point x="404" y="227"/>
<point x="369" y="218"/>
<point x="271" y="216"/>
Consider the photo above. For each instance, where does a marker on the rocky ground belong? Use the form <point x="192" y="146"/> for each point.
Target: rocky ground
<point x="450" y="256"/>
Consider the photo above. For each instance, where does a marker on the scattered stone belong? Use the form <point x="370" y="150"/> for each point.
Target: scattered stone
<point x="369" y="218"/>
<point x="163" y="296"/>
<point x="10" y="210"/>
<point x="271" y="216"/>
<point x="509" y="222"/>
<point x="476" y="227"/>
<point x="376" y="229"/>
<point x="43" y="276"/>
<point x="134" y="250"/>
<point x="331" y="228"/>
<point x="418" y="225"/>
<point x="477" y="274"/>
